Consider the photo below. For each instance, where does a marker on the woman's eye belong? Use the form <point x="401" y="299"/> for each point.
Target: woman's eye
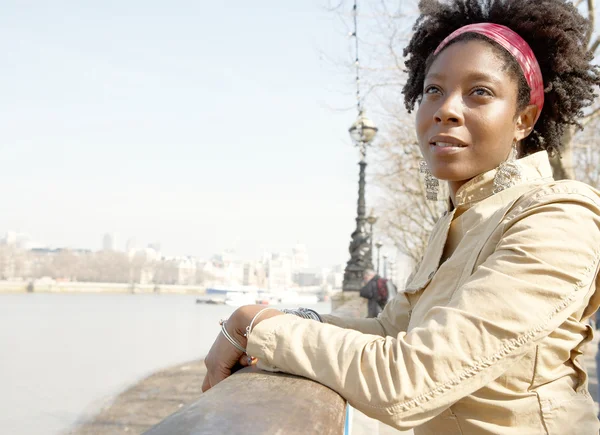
<point x="482" y="92"/>
<point x="431" y="90"/>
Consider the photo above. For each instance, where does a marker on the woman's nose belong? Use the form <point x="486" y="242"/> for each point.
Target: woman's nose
<point x="450" y="110"/>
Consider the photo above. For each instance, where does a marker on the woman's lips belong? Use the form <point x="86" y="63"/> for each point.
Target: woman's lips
<point x="448" y="145"/>
<point x="443" y="148"/>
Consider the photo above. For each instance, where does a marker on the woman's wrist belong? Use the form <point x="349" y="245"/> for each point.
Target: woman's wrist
<point x="243" y="316"/>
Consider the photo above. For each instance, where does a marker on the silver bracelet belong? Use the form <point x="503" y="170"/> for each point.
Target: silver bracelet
<point x="249" y="327"/>
<point x="229" y="338"/>
<point x="305" y="313"/>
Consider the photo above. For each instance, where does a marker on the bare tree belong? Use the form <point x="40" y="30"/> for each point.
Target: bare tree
<point x="65" y="265"/>
<point x="109" y="266"/>
<point x="5" y="260"/>
<point x="586" y="154"/>
<point x="166" y="272"/>
<point x="406" y="217"/>
<point x="202" y="276"/>
<point x="396" y="188"/>
<point x="565" y="165"/>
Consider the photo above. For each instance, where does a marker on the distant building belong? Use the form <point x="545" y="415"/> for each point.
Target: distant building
<point x="260" y="273"/>
<point x="109" y="242"/>
<point x="234" y="273"/>
<point x="211" y="273"/>
<point x="250" y="277"/>
<point x="309" y="277"/>
<point x="279" y="272"/>
<point x="10" y="238"/>
<point x="186" y="271"/>
<point x="299" y="257"/>
<point x="18" y="240"/>
<point x="155" y="246"/>
<point x="175" y="270"/>
<point x="335" y="278"/>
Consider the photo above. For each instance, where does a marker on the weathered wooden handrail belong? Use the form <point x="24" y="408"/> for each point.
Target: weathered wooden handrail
<point x="257" y="402"/>
<point x="253" y="401"/>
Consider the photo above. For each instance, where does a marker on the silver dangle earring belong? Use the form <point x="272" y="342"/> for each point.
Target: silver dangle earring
<point x="508" y="173"/>
<point x="432" y="184"/>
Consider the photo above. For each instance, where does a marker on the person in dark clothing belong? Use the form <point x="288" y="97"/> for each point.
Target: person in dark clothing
<point x="377" y="297"/>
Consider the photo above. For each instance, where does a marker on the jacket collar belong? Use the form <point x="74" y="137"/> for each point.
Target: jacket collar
<point x="533" y="167"/>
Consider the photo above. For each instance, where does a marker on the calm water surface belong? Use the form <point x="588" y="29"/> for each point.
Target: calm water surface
<point x="62" y="356"/>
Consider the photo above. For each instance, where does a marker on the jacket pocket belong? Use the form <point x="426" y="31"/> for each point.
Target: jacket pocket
<point x="568" y="412"/>
<point x="445" y="423"/>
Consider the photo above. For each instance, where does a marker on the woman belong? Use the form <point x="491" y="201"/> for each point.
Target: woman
<point x="488" y="334"/>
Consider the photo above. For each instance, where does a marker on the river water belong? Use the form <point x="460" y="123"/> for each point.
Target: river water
<point x="62" y="356"/>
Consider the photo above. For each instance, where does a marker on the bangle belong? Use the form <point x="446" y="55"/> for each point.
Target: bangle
<point x="249" y="327"/>
<point x="229" y="338"/>
<point x="305" y="313"/>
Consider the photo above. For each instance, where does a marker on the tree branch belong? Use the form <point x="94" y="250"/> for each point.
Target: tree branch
<point x="595" y="45"/>
<point x="591" y="18"/>
<point x="590" y="116"/>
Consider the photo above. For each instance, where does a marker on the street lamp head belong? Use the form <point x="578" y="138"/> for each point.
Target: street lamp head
<point x="372" y="219"/>
<point x="378" y="244"/>
<point x="363" y="130"/>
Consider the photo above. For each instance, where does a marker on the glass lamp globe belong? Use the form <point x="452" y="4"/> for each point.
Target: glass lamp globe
<point x="363" y="130"/>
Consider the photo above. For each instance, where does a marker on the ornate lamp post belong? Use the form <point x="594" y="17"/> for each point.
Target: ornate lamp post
<point x="363" y="131"/>
<point x="371" y="220"/>
<point x="378" y="245"/>
<point x="385" y="265"/>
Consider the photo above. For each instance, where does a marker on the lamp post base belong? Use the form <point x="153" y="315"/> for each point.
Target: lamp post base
<point x="353" y="305"/>
<point x="360" y="243"/>
<point x="353" y="278"/>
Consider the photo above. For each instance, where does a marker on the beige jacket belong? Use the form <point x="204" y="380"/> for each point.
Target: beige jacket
<point x="487" y="336"/>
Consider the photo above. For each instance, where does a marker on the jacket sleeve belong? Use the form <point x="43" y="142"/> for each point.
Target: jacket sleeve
<point x="390" y="322"/>
<point x="369" y="289"/>
<point x="541" y="272"/>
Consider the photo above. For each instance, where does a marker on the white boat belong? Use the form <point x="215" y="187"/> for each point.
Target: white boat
<point x="238" y="299"/>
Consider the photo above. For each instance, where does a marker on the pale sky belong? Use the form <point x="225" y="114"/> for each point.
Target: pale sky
<point x="205" y="126"/>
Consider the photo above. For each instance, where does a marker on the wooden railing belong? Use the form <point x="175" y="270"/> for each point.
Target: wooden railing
<point x="258" y="402"/>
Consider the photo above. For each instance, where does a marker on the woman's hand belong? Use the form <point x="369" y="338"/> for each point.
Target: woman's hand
<point x="223" y="356"/>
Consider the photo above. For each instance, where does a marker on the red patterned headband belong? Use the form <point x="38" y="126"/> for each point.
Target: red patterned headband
<point x="517" y="47"/>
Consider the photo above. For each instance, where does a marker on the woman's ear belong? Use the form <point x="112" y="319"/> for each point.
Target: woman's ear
<point x="525" y="122"/>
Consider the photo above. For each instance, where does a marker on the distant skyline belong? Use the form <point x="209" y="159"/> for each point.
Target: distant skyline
<point x="114" y="242"/>
<point x="207" y="127"/>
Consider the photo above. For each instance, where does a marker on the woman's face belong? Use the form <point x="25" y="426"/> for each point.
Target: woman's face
<point x="466" y="121"/>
